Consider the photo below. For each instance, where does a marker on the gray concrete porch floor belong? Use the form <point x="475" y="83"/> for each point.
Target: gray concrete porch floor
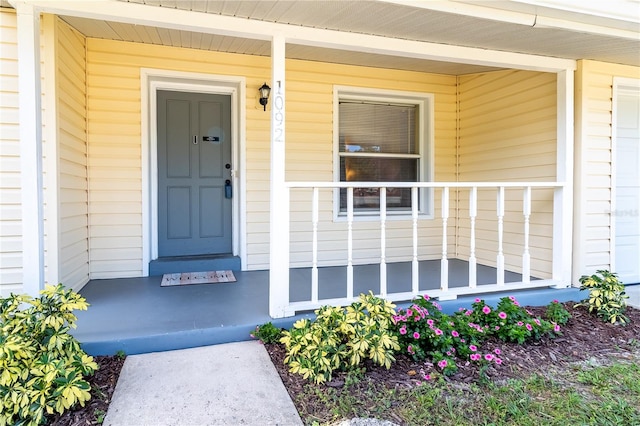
<point x="136" y="315"/>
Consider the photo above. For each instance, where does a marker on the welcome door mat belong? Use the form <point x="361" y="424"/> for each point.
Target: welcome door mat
<point x="208" y="277"/>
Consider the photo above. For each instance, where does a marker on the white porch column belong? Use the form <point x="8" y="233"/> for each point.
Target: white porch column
<point x="28" y="20"/>
<point x="563" y="197"/>
<point x="279" y="209"/>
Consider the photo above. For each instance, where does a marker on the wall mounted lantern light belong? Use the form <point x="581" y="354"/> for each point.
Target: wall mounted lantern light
<point x="264" y="95"/>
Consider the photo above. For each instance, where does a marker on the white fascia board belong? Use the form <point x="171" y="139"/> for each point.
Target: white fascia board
<point x="112" y="10"/>
<point x="619" y="10"/>
<point x="499" y="11"/>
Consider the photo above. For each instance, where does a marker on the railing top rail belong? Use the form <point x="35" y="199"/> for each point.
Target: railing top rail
<point x="425" y="184"/>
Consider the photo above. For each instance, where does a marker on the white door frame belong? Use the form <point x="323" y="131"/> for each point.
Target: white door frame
<point x="153" y="80"/>
<point x="619" y="84"/>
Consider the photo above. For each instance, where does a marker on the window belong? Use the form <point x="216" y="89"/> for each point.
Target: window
<point x="382" y="138"/>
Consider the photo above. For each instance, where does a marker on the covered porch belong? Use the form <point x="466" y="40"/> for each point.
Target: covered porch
<point x="487" y="209"/>
<point x="137" y="315"/>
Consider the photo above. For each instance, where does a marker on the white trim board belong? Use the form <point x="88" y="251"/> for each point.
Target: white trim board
<point x="620" y="85"/>
<point x="153" y="80"/>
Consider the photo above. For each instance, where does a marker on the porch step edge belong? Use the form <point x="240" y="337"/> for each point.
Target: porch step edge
<point x="183" y="339"/>
<point x="191" y="338"/>
<point x="173" y="265"/>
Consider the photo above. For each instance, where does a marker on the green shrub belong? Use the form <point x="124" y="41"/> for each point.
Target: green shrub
<point x="267" y="333"/>
<point x="41" y="364"/>
<point x="424" y="332"/>
<point x="557" y="313"/>
<point x="340" y="338"/>
<point x="509" y="321"/>
<point x="606" y="296"/>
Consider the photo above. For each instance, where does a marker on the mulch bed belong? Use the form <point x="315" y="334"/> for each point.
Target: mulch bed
<point x="585" y="337"/>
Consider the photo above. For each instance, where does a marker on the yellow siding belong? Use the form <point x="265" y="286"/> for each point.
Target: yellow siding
<point x="593" y="162"/>
<point x="73" y="207"/>
<point x="115" y="184"/>
<point x="10" y="199"/>
<point x="507" y="132"/>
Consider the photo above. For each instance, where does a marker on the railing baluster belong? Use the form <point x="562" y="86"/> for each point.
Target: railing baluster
<point x="350" y="242"/>
<point x="314" y="267"/>
<point x="415" y="281"/>
<point x="473" y="212"/>
<point x="444" y="263"/>
<point x="526" y="256"/>
<point x="500" y="257"/>
<point x="383" y="242"/>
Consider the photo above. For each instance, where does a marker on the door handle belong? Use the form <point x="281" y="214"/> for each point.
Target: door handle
<point x="195" y="140"/>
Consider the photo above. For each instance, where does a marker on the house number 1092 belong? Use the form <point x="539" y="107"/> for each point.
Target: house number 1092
<point x="278" y="105"/>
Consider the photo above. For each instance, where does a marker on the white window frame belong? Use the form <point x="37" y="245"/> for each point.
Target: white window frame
<point x="425" y="104"/>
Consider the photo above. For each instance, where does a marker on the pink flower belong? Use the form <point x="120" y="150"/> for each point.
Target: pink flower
<point x="462" y="340"/>
<point x="438" y="332"/>
<point x="473" y="348"/>
<point x="520" y="323"/>
<point x="497" y="327"/>
<point x="502" y="315"/>
<point x="512" y="298"/>
<point x="403" y="330"/>
<point x="468" y="313"/>
<point x="474" y="357"/>
<point x="488" y="357"/>
<point x="477" y="300"/>
<point x="498" y="361"/>
<point x="555" y="301"/>
<point x="556" y="328"/>
<point x="409" y="312"/>
<point x="410" y="349"/>
<point x="486" y="309"/>
<point x="529" y="327"/>
<point x="442" y="364"/>
<point x="455" y="333"/>
<point x="416" y="335"/>
<point x="430" y="322"/>
<point x="537" y="321"/>
<point x="497" y="351"/>
<point x="427" y="376"/>
<point x="426" y="297"/>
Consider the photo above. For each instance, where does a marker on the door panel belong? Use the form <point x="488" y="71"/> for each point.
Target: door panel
<point x="194" y="145"/>
<point x="179" y="221"/>
<point x="627" y="213"/>
<point x="210" y="213"/>
<point x="177" y="130"/>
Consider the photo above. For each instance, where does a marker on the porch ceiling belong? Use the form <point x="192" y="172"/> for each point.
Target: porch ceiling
<point x="498" y="25"/>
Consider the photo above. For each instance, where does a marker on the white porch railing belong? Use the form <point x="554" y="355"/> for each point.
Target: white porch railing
<point x="560" y="221"/>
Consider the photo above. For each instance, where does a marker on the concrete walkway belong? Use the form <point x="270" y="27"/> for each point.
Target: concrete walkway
<point x="633" y="291"/>
<point x="229" y="384"/>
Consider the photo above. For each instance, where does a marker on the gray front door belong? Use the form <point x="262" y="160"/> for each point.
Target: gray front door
<point x="194" y="174"/>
